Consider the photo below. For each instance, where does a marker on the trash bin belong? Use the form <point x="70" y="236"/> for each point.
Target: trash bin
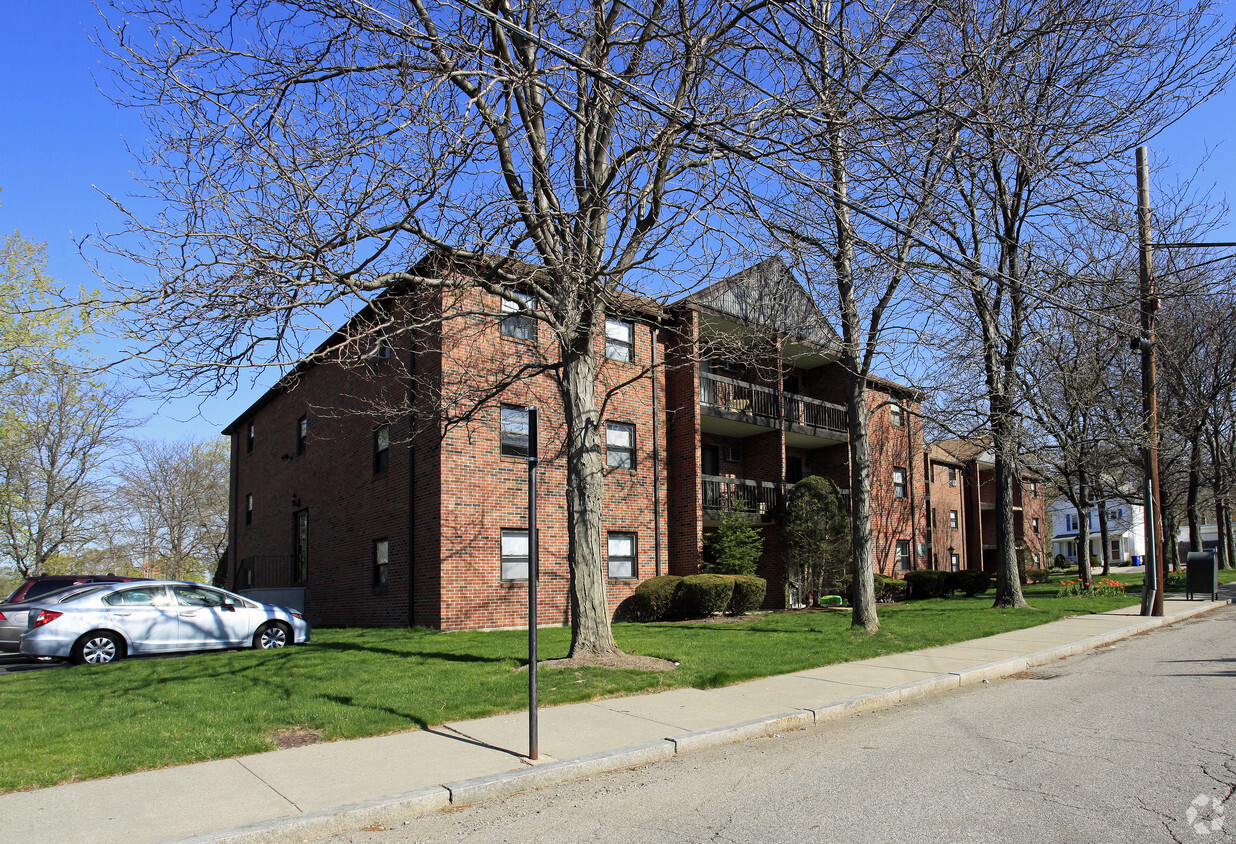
<point x="1137" y="559"/>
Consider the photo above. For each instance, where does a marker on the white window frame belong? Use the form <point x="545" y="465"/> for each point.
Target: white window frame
<point x="514" y="552"/>
<point x="618" y="455"/>
<point x="509" y="427"/>
<point x="620" y="340"/>
<point x="900" y="488"/>
<point x="516" y="322"/>
<point x="622" y="566"/>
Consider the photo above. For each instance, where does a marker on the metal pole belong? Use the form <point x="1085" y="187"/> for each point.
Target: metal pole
<point x="1152" y="602"/>
<point x="533" y="576"/>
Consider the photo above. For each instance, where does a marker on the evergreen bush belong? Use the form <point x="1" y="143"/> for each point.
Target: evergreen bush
<point x="926" y="584"/>
<point x="748" y="594"/>
<point x="734" y="547"/>
<point x="702" y="595"/>
<point x="654" y="598"/>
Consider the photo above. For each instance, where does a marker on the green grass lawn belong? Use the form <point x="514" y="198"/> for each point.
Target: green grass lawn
<point x="94" y="721"/>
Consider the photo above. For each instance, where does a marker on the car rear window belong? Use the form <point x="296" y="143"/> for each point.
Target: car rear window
<point x="38" y="590"/>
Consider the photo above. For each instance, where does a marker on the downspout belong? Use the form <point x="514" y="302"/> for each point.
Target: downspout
<point x="656" y="461"/>
<point x="412" y="544"/>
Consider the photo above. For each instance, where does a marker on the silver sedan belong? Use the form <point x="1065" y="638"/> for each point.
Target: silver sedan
<point x="13" y="616"/>
<point x="111" y="621"/>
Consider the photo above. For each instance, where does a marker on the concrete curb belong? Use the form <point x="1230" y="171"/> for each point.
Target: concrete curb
<point x="401" y="807"/>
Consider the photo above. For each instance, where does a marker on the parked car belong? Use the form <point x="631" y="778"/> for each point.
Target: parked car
<point x="156" y="616"/>
<point x="13" y="617"/>
<point x="36" y="587"/>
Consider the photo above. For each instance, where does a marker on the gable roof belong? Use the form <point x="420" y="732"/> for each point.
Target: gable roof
<point x="767" y="295"/>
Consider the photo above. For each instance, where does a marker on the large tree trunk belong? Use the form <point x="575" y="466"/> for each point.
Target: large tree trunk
<point x="1105" y="538"/>
<point x="1008" y="576"/>
<point x="1227" y="538"/>
<point x="591" y="634"/>
<point x="863" y="588"/>
<point x="1084" y="570"/>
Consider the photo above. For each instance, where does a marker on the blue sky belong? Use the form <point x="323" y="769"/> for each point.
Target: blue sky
<point x="64" y="145"/>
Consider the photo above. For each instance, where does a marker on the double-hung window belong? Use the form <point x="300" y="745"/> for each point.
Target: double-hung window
<point x="619" y="340"/>
<point x="381" y="449"/>
<point x="897" y="415"/>
<point x="619" y="445"/>
<point x="952" y="476"/>
<point x="899" y="483"/>
<point x="516" y="321"/>
<point x="302" y="434"/>
<point x="515" y="424"/>
<point x="621" y="553"/>
<point x="952" y="519"/>
<point x="381" y="563"/>
<point x="515" y="555"/>
<point x="903" y="555"/>
<point x="249" y="508"/>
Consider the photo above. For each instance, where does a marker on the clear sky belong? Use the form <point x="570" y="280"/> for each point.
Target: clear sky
<point x="64" y="144"/>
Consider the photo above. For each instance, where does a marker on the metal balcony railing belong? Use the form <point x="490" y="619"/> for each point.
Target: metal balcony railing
<point x="743" y="398"/>
<point x="266" y="572"/>
<point x="762" y="499"/>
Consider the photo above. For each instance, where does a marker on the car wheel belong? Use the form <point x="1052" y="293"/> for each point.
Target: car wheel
<point x="97" y="648"/>
<point x="272" y="635"/>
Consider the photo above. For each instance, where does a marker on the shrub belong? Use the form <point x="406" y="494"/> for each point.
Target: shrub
<point x="1037" y="575"/>
<point x="970" y="582"/>
<point x="701" y="595"/>
<point x="748" y="594"/>
<point x="1061" y="561"/>
<point x="734" y="547"/>
<point x="889" y="588"/>
<point x="1176" y="581"/>
<point x="926" y="584"/>
<point x="652" y="600"/>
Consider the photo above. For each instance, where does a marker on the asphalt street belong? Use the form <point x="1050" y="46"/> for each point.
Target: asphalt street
<point x="1132" y="743"/>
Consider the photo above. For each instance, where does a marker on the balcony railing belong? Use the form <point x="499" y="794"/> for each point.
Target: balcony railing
<point x="267" y="572"/>
<point x="762" y="499"/>
<point x="746" y="399"/>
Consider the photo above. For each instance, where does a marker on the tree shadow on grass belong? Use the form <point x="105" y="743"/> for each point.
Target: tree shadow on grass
<point x="445" y="657"/>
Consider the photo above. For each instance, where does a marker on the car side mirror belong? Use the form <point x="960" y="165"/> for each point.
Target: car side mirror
<point x="229" y="606"/>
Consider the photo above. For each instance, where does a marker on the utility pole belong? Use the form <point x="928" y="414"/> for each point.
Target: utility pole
<point x="1152" y="590"/>
<point x="1156" y="573"/>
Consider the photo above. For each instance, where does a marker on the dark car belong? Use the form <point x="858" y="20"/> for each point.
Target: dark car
<point x="36" y="587"/>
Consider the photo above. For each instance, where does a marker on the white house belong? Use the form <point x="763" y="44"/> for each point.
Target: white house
<point x="1125" y="527"/>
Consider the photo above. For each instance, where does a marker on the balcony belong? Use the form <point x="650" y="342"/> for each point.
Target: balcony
<point x="763" y="500"/>
<point x="739" y="408"/>
<point x="269" y="572"/>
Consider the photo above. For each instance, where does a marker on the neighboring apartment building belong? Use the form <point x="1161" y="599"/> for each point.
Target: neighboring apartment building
<point x="1125" y="530"/>
<point x="962" y="502"/>
<point x="723" y="399"/>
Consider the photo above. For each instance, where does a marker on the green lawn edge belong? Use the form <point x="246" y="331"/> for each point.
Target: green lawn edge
<point x="87" y="722"/>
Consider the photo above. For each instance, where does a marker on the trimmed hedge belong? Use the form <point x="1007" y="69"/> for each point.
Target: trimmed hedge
<point x="653" y="599"/>
<point x="1037" y="575"/>
<point x="702" y="595"/>
<point x="889" y="588"/>
<point x="926" y="584"/>
<point x="748" y="593"/>
<point x="971" y="582"/>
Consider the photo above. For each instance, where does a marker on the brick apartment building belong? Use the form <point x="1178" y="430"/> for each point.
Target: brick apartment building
<point x="722" y="399"/>
<point x="962" y="501"/>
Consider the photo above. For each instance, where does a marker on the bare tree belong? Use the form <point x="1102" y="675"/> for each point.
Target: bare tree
<point x="174" y="497"/>
<point x="1055" y="94"/>
<point x="311" y="152"/>
<point x="852" y="111"/>
<point x="60" y="432"/>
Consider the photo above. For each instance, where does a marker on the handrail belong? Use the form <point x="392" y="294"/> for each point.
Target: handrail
<point x="760" y="498"/>
<point x="743" y="397"/>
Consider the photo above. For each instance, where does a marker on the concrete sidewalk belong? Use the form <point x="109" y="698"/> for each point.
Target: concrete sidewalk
<point x="303" y="792"/>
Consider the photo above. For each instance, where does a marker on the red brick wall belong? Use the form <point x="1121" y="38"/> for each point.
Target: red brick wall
<point x="892" y="518"/>
<point x="945" y="498"/>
